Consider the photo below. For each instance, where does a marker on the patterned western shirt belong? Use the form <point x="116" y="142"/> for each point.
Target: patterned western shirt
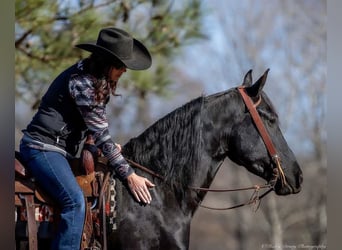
<point x="82" y="90"/>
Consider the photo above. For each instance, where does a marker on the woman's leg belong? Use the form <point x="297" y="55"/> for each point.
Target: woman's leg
<point x="53" y="174"/>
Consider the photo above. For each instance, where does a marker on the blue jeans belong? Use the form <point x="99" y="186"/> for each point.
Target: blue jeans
<point x="53" y="174"/>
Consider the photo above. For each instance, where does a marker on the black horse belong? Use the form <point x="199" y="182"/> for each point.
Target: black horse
<point x="187" y="147"/>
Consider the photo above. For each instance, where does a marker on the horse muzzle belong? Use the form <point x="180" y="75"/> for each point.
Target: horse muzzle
<point x="290" y="186"/>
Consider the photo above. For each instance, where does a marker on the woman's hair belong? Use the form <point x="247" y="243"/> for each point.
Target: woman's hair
<point x="99" y="67"/>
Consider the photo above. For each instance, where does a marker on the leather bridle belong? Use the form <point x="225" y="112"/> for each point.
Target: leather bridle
<point x="263" y="132"/>
<point x="277" y="170"/>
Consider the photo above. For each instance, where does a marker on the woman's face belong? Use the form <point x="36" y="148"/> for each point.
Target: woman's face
<point x="115" y="74"/>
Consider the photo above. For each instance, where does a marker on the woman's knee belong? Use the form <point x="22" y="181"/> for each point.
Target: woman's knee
<point x="75" y="201"/>
<point x="79" y="202"/>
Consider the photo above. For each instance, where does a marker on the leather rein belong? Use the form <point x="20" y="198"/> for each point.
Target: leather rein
<point x="278" y="172"/>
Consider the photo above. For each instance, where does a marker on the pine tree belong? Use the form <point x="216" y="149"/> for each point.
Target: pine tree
<point x="47" y="30"/>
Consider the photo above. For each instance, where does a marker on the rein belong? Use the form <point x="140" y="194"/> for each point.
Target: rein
<point x="278" y="172"/>
<point x="254" y="199"/>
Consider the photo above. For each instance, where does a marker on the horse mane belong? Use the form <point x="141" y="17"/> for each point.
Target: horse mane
<point x="170" y="146"/>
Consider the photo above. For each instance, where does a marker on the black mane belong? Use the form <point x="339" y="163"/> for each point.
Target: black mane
<point x="170" y="146"/>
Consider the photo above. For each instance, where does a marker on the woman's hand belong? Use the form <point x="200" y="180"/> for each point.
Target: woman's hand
<point x="119" y="146"/>
<point x="139" y="187"/>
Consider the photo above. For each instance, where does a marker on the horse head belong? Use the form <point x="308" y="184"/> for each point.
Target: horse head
<point x="246" y="146"/>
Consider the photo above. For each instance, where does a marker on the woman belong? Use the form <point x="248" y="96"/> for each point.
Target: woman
<point x="73" y="106"/>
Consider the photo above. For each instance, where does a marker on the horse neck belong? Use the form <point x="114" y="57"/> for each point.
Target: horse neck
<point x="218" y="116"/>
<point x="187" y="146"/>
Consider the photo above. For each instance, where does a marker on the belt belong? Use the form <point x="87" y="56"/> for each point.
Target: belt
<point x="32" y="143"/>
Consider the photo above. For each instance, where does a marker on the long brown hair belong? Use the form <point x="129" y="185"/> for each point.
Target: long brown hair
<point x="99" y="67"/>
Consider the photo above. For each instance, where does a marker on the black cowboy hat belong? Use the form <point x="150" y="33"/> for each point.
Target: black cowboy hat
<point x="119" y="45"/>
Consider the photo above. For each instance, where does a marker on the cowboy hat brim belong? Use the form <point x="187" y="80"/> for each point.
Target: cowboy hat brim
<point x="139" y="60"/>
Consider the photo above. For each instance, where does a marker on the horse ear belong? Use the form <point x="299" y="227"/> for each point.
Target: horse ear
<point x="256" y="88"/>
<point x="247" y="81"/>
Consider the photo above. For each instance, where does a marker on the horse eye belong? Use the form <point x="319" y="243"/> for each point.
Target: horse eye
<point x="272" y="121"/>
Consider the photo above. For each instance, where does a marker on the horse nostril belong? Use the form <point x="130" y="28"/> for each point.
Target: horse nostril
<point x="300" y="179"/>
<point x="299" y="182"/>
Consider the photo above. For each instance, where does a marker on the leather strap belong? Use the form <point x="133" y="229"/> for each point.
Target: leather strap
<point x="258" y="122"/>
<point x="263" y="132"/>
